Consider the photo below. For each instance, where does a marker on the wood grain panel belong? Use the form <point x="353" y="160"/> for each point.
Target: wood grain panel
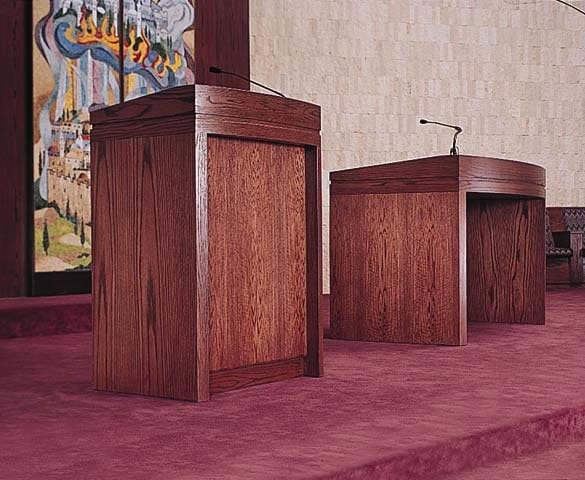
<point x="15" y="161"/>
<point x="506" y="260"/>
<point x="557" y="219"/>
<point x="395" y="268"/>
<point x="226" y="380"/>
<point x="257" y="252"/>
<point x="229" y="102"/>
<point x="261" y="131"/>
<point x="431" y="168"/>
<point x="166" y="103"/>
<point x="473" y="167"/>
<point x="222" y="39"/>
<point x="443" y="174"/>
<point x="144" y="273"/>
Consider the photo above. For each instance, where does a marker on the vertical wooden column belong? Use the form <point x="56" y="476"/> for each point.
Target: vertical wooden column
<point x="506" y="261"/>
<point x="222" y="39"/>
<point x="15" y="98"/>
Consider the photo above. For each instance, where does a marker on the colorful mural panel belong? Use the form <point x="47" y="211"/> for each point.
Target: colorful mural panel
<point x="80" y="47"/>
<point x="156" y="52"/>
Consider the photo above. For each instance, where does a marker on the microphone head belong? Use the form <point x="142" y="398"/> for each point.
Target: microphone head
<point x="215" y="70"/>
<point x="423" y="121"/>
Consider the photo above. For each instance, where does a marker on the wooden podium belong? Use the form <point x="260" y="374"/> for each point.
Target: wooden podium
<point x="206" y="240"/>
<point x="420" y="247"/>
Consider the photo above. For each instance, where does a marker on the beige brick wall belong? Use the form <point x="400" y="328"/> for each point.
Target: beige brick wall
<point x="510" y="72"/>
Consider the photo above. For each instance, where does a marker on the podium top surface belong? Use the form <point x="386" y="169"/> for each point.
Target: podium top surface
<point x="463" y="173"/>
<point x="169" y="106"/>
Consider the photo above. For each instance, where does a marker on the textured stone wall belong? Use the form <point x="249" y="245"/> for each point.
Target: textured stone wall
<point x="510" y="72"/>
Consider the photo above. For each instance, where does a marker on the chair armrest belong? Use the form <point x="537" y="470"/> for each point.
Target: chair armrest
<point x="576" y="261"/>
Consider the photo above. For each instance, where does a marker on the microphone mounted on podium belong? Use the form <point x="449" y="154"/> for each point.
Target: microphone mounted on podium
<point x="219" y="71"/>
<point x="454" y="149"/>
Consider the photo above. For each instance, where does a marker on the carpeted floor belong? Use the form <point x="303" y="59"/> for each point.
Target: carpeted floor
<point x="33" y="316"/>
<point x="566" y="462"/>
<point x="381" y="411"/>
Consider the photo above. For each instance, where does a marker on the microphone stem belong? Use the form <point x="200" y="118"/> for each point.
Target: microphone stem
<point x="454" y="151"/>
<point x="253" y="82"/>
<point x="267" y="88"/>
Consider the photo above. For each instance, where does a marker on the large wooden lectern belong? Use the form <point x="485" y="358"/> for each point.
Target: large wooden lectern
<point x="420" y="247"/>
<point x="206" y="238"/>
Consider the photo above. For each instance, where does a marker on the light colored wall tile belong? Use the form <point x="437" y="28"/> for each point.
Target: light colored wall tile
<point x="510" y="72"/>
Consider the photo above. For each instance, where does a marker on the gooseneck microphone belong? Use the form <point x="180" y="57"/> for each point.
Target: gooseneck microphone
<point x="570" y="5"/>
<point x="219" y="71"/>
<point x="454" y="150"/>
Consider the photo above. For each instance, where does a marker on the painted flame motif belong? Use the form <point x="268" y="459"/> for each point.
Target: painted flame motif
<point x="140" y="51"/>
<point x="91" y="34"/>
<point x="138" y="48"/>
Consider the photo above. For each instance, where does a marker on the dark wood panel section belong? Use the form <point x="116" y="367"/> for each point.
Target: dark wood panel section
<point x="474" y="168"/>
<point x="395" y="268"/>
<point x="485" y="261"/>
<point x="15" y="161"/>
<point x="443" y="174"/>
<point x="240" y="220"/>
<point x="557" y="219"/>
<point x="144" y="271"/>
<point x="226" y="380"/>
<point x="269" y="132"/>
<point x="400" y="185"/>
<point x="222" y="39"/>
<point x="227" y="102"/>
<point x="435" y="167"/>
<point x="257" y="252"/>
<point x="314" y="360"/>
<point x="168" y="104"/>
<point x="506" y="261"/>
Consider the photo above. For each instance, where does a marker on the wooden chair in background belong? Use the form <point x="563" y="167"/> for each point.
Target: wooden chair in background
<point x="565" y="230"/>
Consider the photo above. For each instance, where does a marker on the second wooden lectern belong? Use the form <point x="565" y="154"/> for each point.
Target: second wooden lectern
<point x="420" y="247"/>
<point x="206" y="239"/>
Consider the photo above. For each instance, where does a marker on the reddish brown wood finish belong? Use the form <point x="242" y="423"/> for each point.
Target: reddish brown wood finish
<point x="506" y="261"/>
<point x="557" y="219"/>
<point x="207" y="243"/>
<point x="406" y="237"/>
<point x="222" y="39"/>
<point x="443" y="174"/>
<point x="15" y="37"/>
<point x="256" y="202"/>
<point x="395" y="268"/>
<point x="225" y="380"/>
<point x="144" y="266"/>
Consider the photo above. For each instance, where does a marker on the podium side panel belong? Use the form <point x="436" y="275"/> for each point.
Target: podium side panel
<point x="395" y="271"/>
<point x="505" y="260"/>
<point x="257" y="253"/>
<point x="144" y="266"/>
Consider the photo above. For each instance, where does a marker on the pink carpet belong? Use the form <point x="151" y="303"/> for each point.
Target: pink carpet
<point x="382" y="411"/>
<point x="566" y="462"/>
<point x="32" y="316"/>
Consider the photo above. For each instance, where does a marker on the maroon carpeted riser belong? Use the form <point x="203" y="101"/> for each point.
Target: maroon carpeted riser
<point x="566" y="462"/>
<point x="381" y="411"/>
<point x="33" y="316"/>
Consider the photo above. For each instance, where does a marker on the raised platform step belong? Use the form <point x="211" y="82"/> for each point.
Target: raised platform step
<point x="34" y="316"/>
<point x="566" y="462"/>
<point x="381" y="411"/>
